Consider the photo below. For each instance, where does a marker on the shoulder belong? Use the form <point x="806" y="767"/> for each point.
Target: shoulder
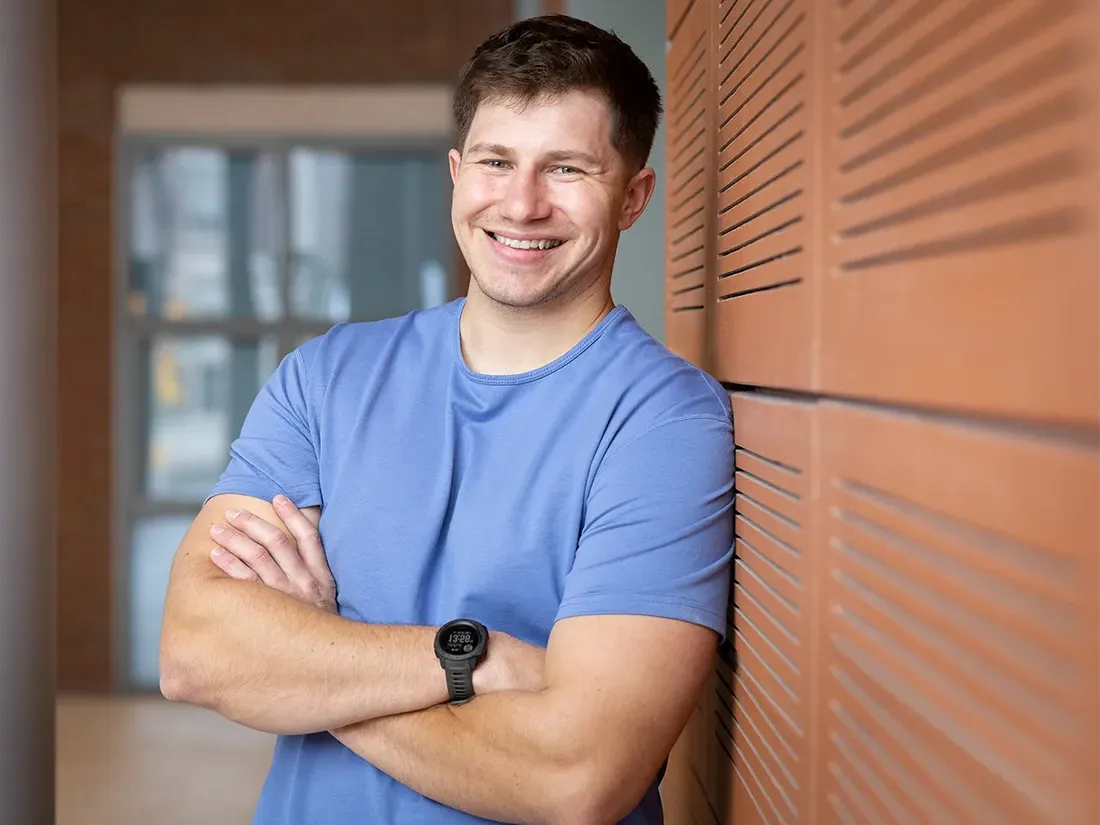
<point x="353" y="350"/>
<point x="656" y="384"/>
<point x="662" y="409"/>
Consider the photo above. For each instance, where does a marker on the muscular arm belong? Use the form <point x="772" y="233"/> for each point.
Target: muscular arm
<point x="619" y="690"/>
<point x="273" y="662"/>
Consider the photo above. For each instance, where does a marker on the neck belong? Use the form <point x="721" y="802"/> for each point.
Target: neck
<point x="503" y="340"/>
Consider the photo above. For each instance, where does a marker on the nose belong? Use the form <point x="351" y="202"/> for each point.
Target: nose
<point x="525" y="199"/>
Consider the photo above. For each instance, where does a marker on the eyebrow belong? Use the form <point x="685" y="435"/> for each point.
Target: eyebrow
<point x="559" y="155"/>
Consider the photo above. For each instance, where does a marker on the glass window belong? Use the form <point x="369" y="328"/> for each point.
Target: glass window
<point x="369" y="234"/>
<point x="236" y="256"/>
<point x="206" y="235"/>
<point x="197" y="391"/>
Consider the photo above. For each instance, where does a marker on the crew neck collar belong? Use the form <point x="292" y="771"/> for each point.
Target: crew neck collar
<point x="532" y="375"/>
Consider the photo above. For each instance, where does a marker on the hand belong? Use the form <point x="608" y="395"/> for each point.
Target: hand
<point x="251" y="549"/>
<point x="510" y="665"/>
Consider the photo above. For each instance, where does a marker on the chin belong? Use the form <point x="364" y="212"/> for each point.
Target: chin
<point x="516" y="295"/>
<point x="516" y="299"/>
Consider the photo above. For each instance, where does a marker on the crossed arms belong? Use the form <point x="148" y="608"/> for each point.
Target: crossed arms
<point x="577" y="738"/>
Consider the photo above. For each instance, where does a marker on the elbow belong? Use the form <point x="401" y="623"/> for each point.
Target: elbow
<point x="592" y="810"/>
<point x="174" y="685"/>
<point x="178" y="674"/>
<point x="590" y="794"/>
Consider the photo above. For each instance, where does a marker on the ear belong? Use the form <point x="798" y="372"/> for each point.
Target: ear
<point x="638" y="192"/>
<point x="453" y="160"/>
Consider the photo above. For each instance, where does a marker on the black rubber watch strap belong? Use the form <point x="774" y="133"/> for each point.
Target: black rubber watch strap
<point x="460" y="681"/>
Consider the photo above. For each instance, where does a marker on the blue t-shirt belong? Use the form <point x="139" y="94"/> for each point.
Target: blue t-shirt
<point x="599" y="483"/>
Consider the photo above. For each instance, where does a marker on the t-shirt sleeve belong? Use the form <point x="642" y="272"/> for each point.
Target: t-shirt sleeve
<point x="658" y="529"/>
<point x="276" y="449"/>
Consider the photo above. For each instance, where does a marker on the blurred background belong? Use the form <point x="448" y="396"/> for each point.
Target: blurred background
<point x="878" y="227"/>
<point x="233" y="178"/>
<point x="221" y="244"/>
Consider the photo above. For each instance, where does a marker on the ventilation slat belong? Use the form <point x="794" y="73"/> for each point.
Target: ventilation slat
<point x="772" y="573"/>
<point x="772" y="180"/>
<point x="791" y="480"/>
<point x="775" y="70"/>
<point x="774" y="495"/>
<point x="690" y="267"/>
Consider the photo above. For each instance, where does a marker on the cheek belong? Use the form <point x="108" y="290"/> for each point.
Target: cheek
<point x="592" y="214"/>
<point x="472" y="196"/>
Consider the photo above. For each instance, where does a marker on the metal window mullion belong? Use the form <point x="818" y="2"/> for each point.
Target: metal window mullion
<point x="233" y="328"/>
<point x="143" y="507"/>
<point x="285" y="338"/>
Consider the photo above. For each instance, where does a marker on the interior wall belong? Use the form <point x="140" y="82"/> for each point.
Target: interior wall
<point x="886" y="247"/>
<point x="205" y="43"/>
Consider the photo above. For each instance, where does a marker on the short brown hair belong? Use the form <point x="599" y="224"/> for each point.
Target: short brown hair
<point x="554" y="54"/>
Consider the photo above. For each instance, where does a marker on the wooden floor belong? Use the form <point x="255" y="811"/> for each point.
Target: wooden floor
<point x="127" y="760"/>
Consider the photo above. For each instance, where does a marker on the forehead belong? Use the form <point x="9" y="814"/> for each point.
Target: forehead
<point x="577" y="120"/>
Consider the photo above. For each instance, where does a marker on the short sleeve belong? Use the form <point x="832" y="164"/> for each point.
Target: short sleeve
<point x="658" y="529"/>
<point x="275" y="451"/>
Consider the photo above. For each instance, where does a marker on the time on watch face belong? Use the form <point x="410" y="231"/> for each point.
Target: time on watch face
<point x="460" y="640"/>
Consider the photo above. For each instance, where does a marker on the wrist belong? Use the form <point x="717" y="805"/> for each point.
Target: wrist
<point x="488" y="674"/>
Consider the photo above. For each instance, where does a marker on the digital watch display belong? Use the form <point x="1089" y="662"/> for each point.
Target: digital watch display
<point x="460" y="645"/>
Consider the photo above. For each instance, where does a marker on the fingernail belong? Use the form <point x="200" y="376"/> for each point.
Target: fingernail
<point x="217" y="529"/>
<point x="216" y="552"/>
<point x="281" y="499"/>
<point x="232" y="513"/>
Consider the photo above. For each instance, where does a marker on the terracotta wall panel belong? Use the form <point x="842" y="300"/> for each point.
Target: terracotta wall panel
<point x="767" y="110"/>
<point x="960" y="644"/>
<point x="960" y="150"/>
<point x="689" y="194"/>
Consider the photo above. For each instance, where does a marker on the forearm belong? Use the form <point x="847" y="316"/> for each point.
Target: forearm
<point x="273" y="663"/>
<point x="507" y="756"/>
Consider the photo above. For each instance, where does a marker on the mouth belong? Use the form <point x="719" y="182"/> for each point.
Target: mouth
<point x="530" y="246"/>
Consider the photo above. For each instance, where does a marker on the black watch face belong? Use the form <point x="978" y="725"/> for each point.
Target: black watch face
<point x="460" y="640"/>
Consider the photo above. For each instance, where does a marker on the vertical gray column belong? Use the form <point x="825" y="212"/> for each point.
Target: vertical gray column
<point x="28" y="299"/>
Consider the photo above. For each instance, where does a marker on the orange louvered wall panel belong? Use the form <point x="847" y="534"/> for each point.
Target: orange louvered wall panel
<point x="900" y="283"/>
<point x="960" y="645"/>
<point x="690" y="190"/>
<point x="764" y="701"/>
<point x="766" y="115"/>
<point x="960" y="156"/>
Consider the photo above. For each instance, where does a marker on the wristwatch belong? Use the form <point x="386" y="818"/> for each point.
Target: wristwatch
<point x="460" y="646"/>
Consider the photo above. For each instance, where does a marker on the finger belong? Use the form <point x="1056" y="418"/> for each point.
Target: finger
<point x="281" y="548"/>
<point x="232" y="566"/>
<point x="250" y="553"/>
<point x="305" y="533"/>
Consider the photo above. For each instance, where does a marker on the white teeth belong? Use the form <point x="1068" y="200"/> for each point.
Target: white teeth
<point x="512" y="242"/>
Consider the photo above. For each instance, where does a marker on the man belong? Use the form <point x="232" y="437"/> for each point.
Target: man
<point x="526" y="461"/>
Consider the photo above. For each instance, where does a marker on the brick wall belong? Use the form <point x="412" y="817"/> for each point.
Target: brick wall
<point x="110" y="43"/>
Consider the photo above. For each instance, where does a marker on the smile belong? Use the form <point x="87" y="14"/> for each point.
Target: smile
<point x="530" y="243"/>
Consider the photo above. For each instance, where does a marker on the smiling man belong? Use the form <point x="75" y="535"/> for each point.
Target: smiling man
<point x="472" y="563"/>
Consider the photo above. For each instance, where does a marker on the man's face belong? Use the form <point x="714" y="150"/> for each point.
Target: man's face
<point x="540" y="196"/>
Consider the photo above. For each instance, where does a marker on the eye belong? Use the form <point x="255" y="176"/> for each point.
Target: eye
<point x="495" y="163"/>
<point x="568" y="170"/>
